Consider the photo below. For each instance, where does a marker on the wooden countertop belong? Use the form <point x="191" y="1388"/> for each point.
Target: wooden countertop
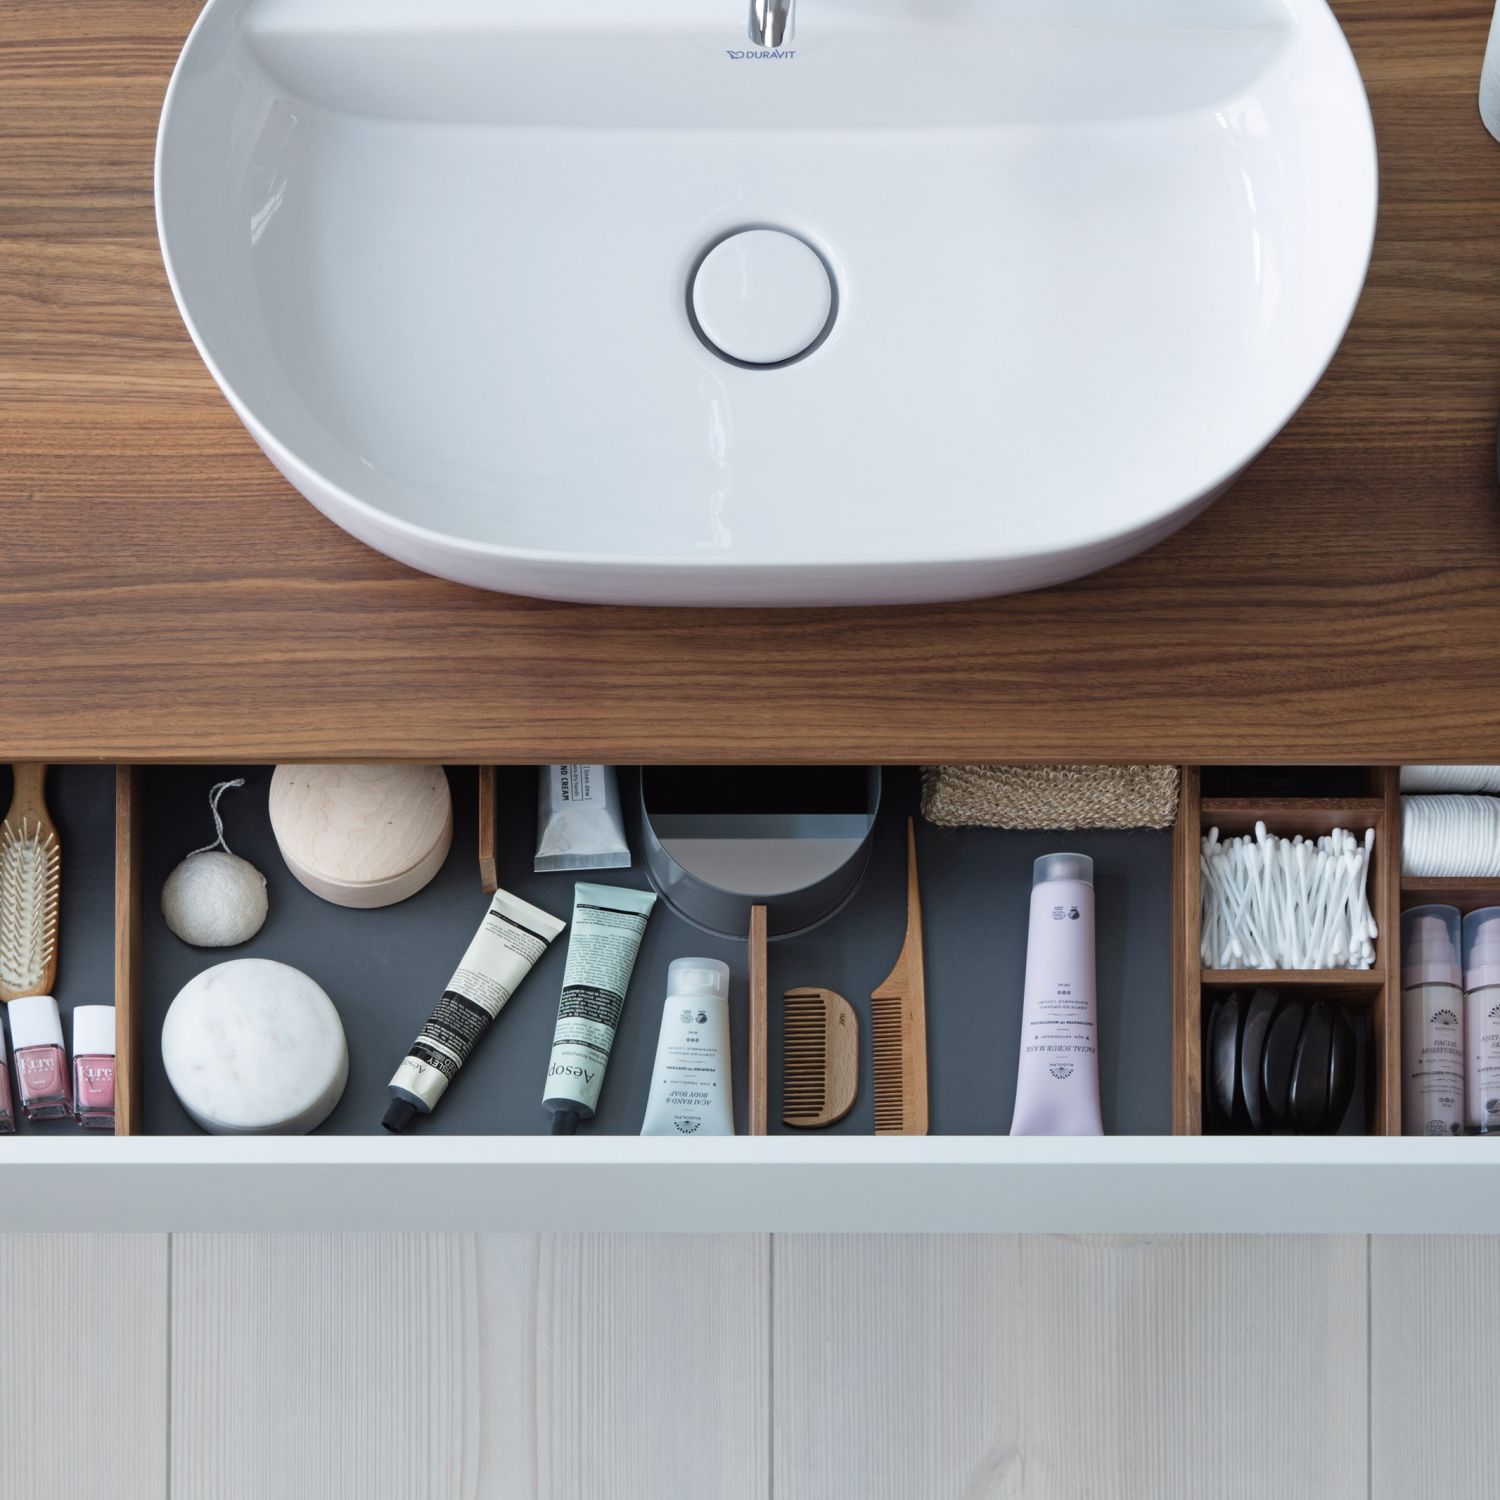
<point x="164" y="595"/>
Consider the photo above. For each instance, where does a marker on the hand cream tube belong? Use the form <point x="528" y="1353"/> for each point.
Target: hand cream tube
<point x="513" y="935"/>
<point x="1057" y="1087"/>
<point x="608" y="924"/>
<point x="579" y="822"/>
<point x="691" y="1086"/>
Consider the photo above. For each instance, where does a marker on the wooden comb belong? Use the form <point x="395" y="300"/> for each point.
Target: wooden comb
<point x="898" y="1023"/>
<point x="819" y="1058"/>
<point x="30" y="885"/>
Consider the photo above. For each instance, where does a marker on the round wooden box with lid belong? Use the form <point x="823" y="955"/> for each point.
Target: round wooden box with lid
<point x="362" y="836"/>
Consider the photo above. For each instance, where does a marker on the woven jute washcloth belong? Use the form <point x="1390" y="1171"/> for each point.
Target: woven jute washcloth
<point x="1050" y="796"/>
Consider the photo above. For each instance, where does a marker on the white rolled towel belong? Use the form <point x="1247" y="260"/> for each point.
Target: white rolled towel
<point x="1450" y="779"/>
<point x="1450" y="837"/>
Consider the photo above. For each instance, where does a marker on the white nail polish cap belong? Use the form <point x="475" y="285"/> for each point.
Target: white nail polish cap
<point x="34" y="1022"/>
<point x="94" y="1031"/>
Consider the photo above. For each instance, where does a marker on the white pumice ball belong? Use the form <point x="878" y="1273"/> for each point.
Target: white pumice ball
<point x="214" y="899"/>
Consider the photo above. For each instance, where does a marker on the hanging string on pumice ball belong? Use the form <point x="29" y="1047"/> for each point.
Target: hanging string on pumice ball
<point x="215" y="899"/>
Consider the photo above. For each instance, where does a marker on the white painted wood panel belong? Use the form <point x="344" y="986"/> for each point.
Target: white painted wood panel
<point x="1434" y="1333"/>
<point x="961" y="1367"/>
<point x="746" y="1184"/>
<point x="923" y="1366"/>
<point x="320" y="1367"/>
<point x="83" y="1366"/>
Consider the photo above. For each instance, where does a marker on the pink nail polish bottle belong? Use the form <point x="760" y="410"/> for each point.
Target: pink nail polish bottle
<point x="94" y="1066"/>
<point x="7" y="1113"/>
<point x="41" y="1064"/>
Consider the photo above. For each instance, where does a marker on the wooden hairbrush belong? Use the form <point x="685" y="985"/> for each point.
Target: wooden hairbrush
<point x="898" y="1023"/>
<point x="819" y="1058"/>
<point x="30" y="886"/>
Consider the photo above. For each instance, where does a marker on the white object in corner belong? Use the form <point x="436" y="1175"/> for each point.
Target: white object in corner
<point x="1489" y="80"/>
<point x="1083" y="261"/>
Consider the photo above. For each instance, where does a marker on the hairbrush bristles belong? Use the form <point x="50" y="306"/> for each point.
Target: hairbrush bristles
<point x="30" y="886"/>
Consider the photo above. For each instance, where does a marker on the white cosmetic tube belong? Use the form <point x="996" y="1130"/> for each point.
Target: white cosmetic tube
<point x="513" y="935"/>
<point x="692" y="1090"/>
<point x="608" y="924"/>
<point x="579" y="822"/>
<point x="1057" y="1084"/>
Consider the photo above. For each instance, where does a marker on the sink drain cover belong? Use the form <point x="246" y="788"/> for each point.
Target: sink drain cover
<point x="762" y="297"/>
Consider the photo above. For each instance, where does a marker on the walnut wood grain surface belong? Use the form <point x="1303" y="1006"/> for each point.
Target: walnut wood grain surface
<point x="489" y="831"/>
<point x="759" y="1066"/>
<point x="1187" y="960"/>
<point x="130" y="1023"/>
<point x="165" y="595"/>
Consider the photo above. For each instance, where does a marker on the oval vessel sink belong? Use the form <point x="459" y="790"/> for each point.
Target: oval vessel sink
<point x="599" y="301"/>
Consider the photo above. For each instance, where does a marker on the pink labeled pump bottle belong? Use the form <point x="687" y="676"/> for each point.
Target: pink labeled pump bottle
<point x="1432" y="1022"/>
<point x="1481" y="938"/>
<point x="1057" y="1085"/>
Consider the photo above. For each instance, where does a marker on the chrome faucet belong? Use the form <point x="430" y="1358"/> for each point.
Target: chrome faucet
<point x="771" y="22"/>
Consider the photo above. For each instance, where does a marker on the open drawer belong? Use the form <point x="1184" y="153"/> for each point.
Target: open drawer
<point x="484" y="1160"/>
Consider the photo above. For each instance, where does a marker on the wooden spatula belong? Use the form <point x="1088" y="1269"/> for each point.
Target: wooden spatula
<point x="759" y="1025"/>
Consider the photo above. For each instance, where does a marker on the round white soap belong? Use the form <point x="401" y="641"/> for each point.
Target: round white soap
<point x="255" y="1047"/>
<point x="214" y="899"/>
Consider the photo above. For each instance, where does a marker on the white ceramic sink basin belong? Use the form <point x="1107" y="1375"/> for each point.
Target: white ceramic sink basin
<point x="1046" y="275"/>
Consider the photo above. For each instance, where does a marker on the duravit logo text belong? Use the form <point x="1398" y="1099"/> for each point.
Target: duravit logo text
<point x="776" y="54"/>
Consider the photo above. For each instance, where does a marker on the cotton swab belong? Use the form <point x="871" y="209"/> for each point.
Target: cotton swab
<point x="1298" y="903"/>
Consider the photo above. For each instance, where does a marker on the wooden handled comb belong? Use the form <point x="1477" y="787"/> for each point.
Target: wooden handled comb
<point x="898" y="1023"/>
<point x="819" y="1058"/>
<point x="30" y="885"/>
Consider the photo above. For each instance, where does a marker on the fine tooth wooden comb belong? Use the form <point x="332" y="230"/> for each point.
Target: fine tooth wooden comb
<point x="819" y="1058"/>
<point x="30" y="884"/>
<point x="898" y="1023"/>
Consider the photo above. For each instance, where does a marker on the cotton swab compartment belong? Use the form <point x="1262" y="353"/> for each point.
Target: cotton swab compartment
<point x="1298" y="903"/>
